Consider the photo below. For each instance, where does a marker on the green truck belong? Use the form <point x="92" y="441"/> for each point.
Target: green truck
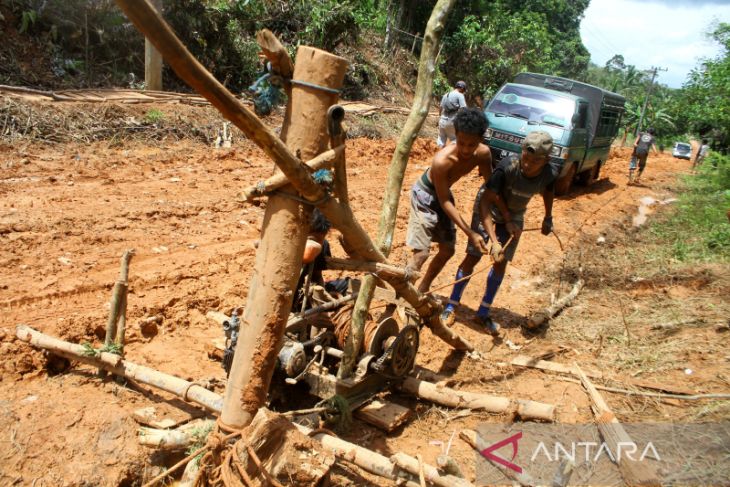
<point x="583" y="120"/>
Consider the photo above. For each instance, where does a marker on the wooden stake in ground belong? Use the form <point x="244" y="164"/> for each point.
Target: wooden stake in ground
<point x="633" y="472"/>
<point x="115" y="326"/>
<point x="386" y="224"/>
<point x="153" y="60"/>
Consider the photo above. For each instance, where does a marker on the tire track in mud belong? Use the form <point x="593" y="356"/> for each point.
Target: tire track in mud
<point x="138" y="283"/>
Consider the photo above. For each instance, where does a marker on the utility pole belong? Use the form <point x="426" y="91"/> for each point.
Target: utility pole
<point x="648" y="94"/>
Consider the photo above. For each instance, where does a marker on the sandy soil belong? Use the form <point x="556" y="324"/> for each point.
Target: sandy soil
<point x="68" y="212"/>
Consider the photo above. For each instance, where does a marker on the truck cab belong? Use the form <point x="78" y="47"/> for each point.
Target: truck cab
<point x="582" y="119"/>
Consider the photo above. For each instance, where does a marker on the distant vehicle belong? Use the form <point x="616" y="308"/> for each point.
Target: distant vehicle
<point x="582" y="119"/>
<point x="682" y="150"/>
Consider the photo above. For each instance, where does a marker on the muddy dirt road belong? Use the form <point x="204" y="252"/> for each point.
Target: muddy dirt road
<point x="68" y="212"/>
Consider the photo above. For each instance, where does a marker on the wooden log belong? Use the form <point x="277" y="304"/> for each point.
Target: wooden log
<point x="541" y="317"/>
<point x="175" y="439"/>
<point x="279" y="180"/>
<point x="475" y="441"/>
<point x="396" y="172"/>
<point x="431" y="473"/>
<point x="118" y="366"/>
<point x="382" y="270"/>
<point x="368" y="460"/>
<point x="151" y="24"/>
<point x="278" y="261"/>
<point x="613" y="433"/>
<point x="471" y="400"/>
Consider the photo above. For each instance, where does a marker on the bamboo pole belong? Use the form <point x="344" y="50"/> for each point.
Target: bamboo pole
<point x="431" y="473"/>
<point x="386" y="225"/>
<point x="368" y="460"/>
<point x="117" y="365"/>
<point x="192" y="72"/>
<point x="475" y="441"/>
<point x="175" y="439"/>
<point x="446" y="396"/>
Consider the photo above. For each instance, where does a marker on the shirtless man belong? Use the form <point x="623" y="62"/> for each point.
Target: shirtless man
<point x="433" y="215"/>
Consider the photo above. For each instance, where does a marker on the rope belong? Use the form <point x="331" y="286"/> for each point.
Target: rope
<point x="314" y="86"/>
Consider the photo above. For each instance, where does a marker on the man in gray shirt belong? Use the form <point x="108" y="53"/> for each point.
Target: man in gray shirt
<point x="450" y="104"/>
<point x="512" y="184"/>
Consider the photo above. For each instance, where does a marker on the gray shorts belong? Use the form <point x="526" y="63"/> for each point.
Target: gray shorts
<point x="427" y="221"/>
<point x="499" y="228"/>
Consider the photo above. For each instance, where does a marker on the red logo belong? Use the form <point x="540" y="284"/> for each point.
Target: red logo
<point x="489" y="455"/>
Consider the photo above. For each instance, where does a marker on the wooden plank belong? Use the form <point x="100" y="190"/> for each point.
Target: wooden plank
<point x="385" y="415"/>
<point x="633" y="472"/>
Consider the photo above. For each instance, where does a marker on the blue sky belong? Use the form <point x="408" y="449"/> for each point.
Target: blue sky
<point x="664" y="33"/>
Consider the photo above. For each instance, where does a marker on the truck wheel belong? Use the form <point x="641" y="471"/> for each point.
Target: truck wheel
<point x="563" y="185"/>
<point x="587" y="178"/>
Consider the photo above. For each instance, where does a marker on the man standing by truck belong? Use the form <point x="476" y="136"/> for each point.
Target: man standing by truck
<point x="433" y="216"/>
<point x="451" y="102"/>
<point x="498" y="216"/>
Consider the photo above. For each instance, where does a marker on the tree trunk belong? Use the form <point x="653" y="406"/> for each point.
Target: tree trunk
<point x="386" y="225"/>
<point x="279" y="260"/>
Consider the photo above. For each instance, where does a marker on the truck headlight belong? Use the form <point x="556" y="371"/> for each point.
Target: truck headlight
<point x="559" y="152"/>
<point x="488" y="134"/>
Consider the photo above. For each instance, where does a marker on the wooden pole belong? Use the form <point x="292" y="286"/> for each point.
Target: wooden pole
<point x="541" y="317"/>
<point x="472" y="400"/>
<point x="118" y="366"/>
<point x="115" y="326"/>
<point x="151" y="24"/>
<point x="386" y="225"/>
<point x="279" y="260"/>
<point x="431" y="473"/>
<point x="633" y="472"/>
<point x="153" y="60"/>
<point x="475" y="441"/>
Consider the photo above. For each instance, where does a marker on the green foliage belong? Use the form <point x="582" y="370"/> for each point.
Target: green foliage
<point x="114" y="348"/>
<point x="89" y="350"/>
<point x="488" y="43"/>
<point x="154" y="116"/>
<point x="27" y="19"/>
<point x="699" y="230"/>
<point x="706" y="95"/>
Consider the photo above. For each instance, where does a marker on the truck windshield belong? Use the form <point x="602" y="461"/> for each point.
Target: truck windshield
<point x="532" y="105"/>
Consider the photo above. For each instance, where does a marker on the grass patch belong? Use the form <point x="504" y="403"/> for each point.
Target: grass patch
<point x="699" y="230"/>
